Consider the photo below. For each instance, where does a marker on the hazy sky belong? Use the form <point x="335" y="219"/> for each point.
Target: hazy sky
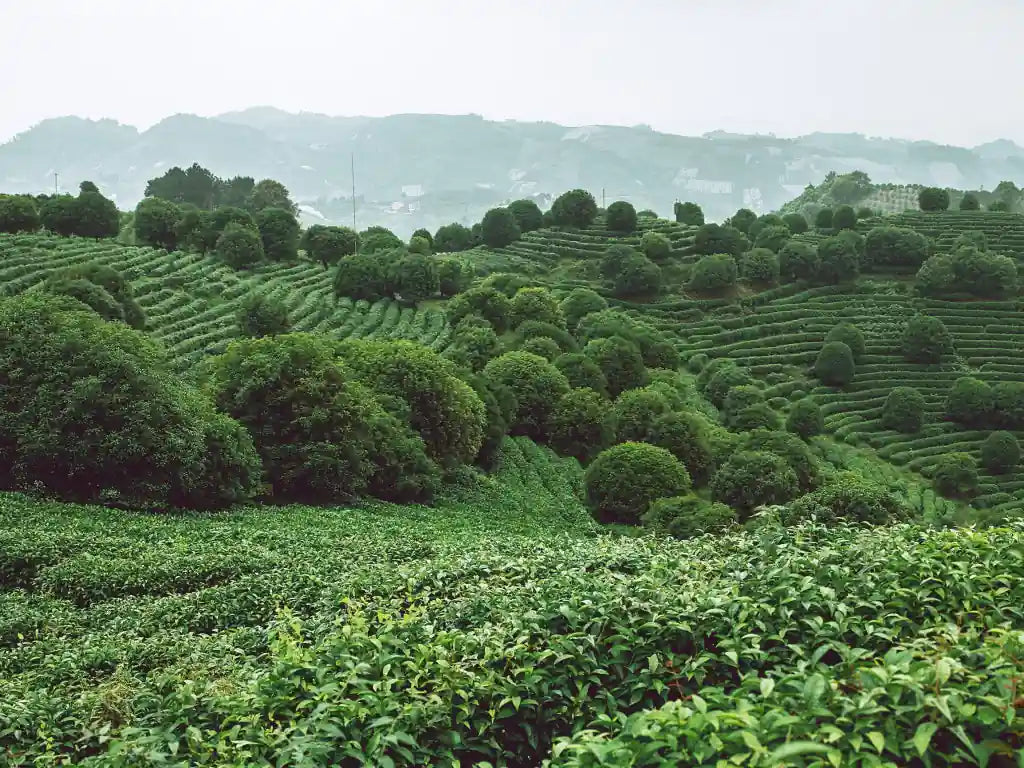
<point x="946" y="70"/>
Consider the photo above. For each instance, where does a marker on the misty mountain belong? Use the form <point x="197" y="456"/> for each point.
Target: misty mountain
<point x="426" y="170"/>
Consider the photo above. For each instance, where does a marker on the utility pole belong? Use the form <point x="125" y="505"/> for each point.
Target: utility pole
<point x="55" y="183"/>
<point x="602" y="198"/>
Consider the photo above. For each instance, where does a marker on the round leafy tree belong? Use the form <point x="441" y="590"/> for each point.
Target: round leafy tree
<point x="328" y="245"/>
<point x="844" y="217"/>
<point x="534" y="328"/>
<point x="638" y="276"/>
<point x="788" y="447"/>
<point x="489" y="303"/>
<point x="798" y="261"/>
<point x="970" y="402"/>
<point x="541" y="346"/>
<point x="452" y="238"/>
<point x="94" y="215"/>
<point x="442" y="408"/>
<point x="414" y="277"/>
<point x="740" y="397"/>
<point x="714" y="274"/>
<point x="100" y="287"/>
<point x="575" y="208"/>
<point x="756" y="416"/>
<point x="620" y="361"/>
<point x="762" y="223"/>
<point x="904" y="410"/>
<point x="499" y="228"/>
<point x="536" y="304"/>
<point x="279" y="230"/>
<point x="582" y="372"/>
<point x="240" y="247"/>
<point x="507" y="282"/>
<point x="527" y="215"/>
<point x="655" y="246"/>
<point x="579" y="424"/>
<point x="425" y="234"/>
<point x="722" y="381"/>
<point x="926" y="340"/>
<point x="419" y="245"/>
<point x="895" y="246"/>
<point x="360" y="276"/>
<point x="834" y="365"/>
<point x="823" y="219"/>
<point x="156" y="223"/>
<point x="796" y="222"/>
<point x="580" y="302"/>
<point x="864" y="213"/>
<point x="760" y="265"/>
<point x="849" y="498"/>
<point x="805" y="418"/>
<point x="933" y="199"/>
<point x="850" y="335"/>
<point x="1009" y="403"/>
<point x="624" y="479"/>
<point x="686" y="517"/>
<point x="537" y="386"/>
<point x="262" y="315"/>
<point x="750" y="479"/>
<point x="378" y="240"/>
<point x="969" y="202"/>
<point x="635" y="411"/>
<point x="621" y="217"/>
<point x="688" y="213"/>
<point x="685" y="436"/>
<point x="18" y="214"/>
<point x="773" y="238"/>
<point x="452" y="277"/>
<point x="997" y="206"/>
<point x="614" y="258"/>
<point x="713" y="238"/>
<point x="742" y="220"/>
<point x="956" y="476"/>
<point x="1000" y="453"/>
<point x="838" y="260"/>
<point x="473" y="346"/>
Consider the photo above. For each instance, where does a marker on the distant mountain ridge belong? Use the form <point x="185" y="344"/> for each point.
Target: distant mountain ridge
<point x="417" y="170"/>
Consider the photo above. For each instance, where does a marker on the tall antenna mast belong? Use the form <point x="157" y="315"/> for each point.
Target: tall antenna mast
<point x="354" y="228"/>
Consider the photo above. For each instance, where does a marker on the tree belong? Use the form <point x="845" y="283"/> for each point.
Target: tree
<point x="579" y="426"/>
<point x="839" y="261"/>
<point x="576" y="208"/>
<point x="904" y="410"/>
<point x="489" y="303"/>
<point x="655" y="246"/>
<point x="844" y="217"/>
<point x="1000" y="453"/>
<point x="425" y="234"/>
<point x="419" y="245"/>
<point x="850" y="335"/>
<point x="361" y="276"/>
<point x="638" y="276"/>
<point x="823" y="219"/>
<point x="760" y="265"/>
<point x="1007" y="193"/>
<point x="895" y="246"/>
<point x="94" y="215"/>
<point x="798" y="261"/>
<point x="723" y="380"/>
<point x="269" y="193"/>
<point x="970" y="402"/>
<point x="933" y="199"/>
<point x="864" y="213"/>
<point x="620" y="361"/>
<point x="527" y="215"/>
<point x="197" y="186"/>
<point x="220" y="218"/>
<point x="452" y="238"/>
<point x="582" y="373"/>
<point x="537" y="386"/>
<point x="1009" y="403"/>
<point x="499" y="228"/>
<point x="535" y="304"/>
<point x="742" y="219"/>
<point x="772" y="238"/>
<point x="834" y="365"/>
<point x="805" y="418"/>
<point x="926" y="340"/>
<point x="790" y="449"/>
<point x="240" y="247"/>
<point x="109" y="423"/>
<point x="688" y="213"/>
<point x="234" y="191"/>
<point x="378" y="240"/>
<point x="262" y="315"/>
<point x="635" y="411"/>
<point x="279" y="231"/>
<point x="156" y="223"/>
<point x="999" y="206"/>
<point x="624" y="479"/>
<point x="956" y="475"/>
<point x="101" y="288"/>
<point x="534" y="328"/>
<point x="442" y="408"/>
<point x="685" y="436"/>
<point x="740" y="397"/>
<point x="621" y="217"/>
<point x="614" y="258"/>
<point x="762" y="223"/>
<point x="714" y="274"/>
<point x="969" y="202"/>
<point x="796" y="222"/>
<point x="580" y="302"/>
<point x="328" y="245"/>
<point x="851" y="499"/>
<point x="713" y="239"/>
<point x="848" y="190"/>
<point x="18" y="214"/>
<point x="414" y="278"/>
<point x="58" y="215"/>
<point x="452" y="277"/>
<point x="750" y="479"/>
<point x="473" y="346"/>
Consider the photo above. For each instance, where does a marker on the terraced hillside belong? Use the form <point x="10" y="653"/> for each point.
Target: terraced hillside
<point x="1004" y="232"/>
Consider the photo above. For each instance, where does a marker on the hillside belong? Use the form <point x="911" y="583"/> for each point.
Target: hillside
<point x="427" y="170"/>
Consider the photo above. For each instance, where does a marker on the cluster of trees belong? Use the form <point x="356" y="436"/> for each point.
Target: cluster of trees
<point x="970" y="270"/>
<point x="197" y="187"/>
<point x="88" y="214"/>
<point x="976" y="404"/>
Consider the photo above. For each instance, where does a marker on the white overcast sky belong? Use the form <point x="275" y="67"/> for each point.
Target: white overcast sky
<point x="947" y="70"/>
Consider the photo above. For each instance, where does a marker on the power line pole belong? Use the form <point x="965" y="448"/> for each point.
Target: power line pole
<point x="602" y="198"/>
<point x="354" y="229"/>
<point x="55" y="183"/>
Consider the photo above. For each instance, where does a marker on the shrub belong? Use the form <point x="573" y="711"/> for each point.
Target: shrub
<point x="614" y="258"/>
<point x="903" y="410"/>
<point x="582" y="372"/>
<point x="536" y="304"/>
<point x="579" y="424"/>
<point x="361" y="276"/>
<point x="722" y="381"/>
<point x="624" y="479"/>
<point x="1000" y="452"/>
<point x="441" y="407"/>
<point x="655" y="246"/>
<point x="1009" y="403"/>
<point x="849" y="498"/>
<point x="740" y="397"/>
<point x="452" y="238"/>
<point x="760" y="265"/>
<point x="279" y="231"/>
<point x="108" y="424"/>
<point x="850" y="335"/>
<point x="499" y="408"/>
<point x="499" y="228"/>
<point x="534" y="328"/>
<point x="541" y="346"/>
<point x="713" y="238"/>
<point x="18" y="214"/>
<point x="796" y="222"/>
<point x="805" y="418"/>
<point x="537" y="386"/>
<point x="378" y="240"/>
<point x="634" y="413"/>
<point x="688" y="213"/>
<point x="413" y="278"/>
<point x="844" y="217"/>
<point x="575" y="208"/>
<point x="419" y="245"/>
<point x="620" y="362"/>
<point x="697" y="362"/>
<point x="489" y="303"/>
<point x="969" y="202"/>
<point x="956" y="475"/>
<point x="986" y="275"/>
<point x="970" y="402"/>
<point x="328" y="245"/>
<point x="156" y="223"/>
<point x="757" y="416"/>
<point x="838" y="259"/>
<point x="580" y="302"/>
<point x="262" y="315"/>
<point x="798" y="261"/>
<point x="638" y="276"/>
<point x="926" y="340"/>
<point x="527" y="215"/>
<point x="823" y="219"/>
<point x="686" y="517"/>
<point x="742" y="220"/>
<point x="834" y="365"/>
<point x="714" y="274"/>
<point x="895" y="246"/>
<point x="621" y="217"/>
<point x="473" y="346"/>
<point x="452" y="278"/>
<point x="103" y="289"/>
<point x="240" y="247"/>
<point x="790" y="448"/>
<point x="506" y="282"/>
<point x="685" y="436"/>
<point x="933" y="199"/>
<point x="750" y="479"/>
<point x="773" y="238"/>
<point x="764" y="222"/>
<point x="864" y="213"/>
